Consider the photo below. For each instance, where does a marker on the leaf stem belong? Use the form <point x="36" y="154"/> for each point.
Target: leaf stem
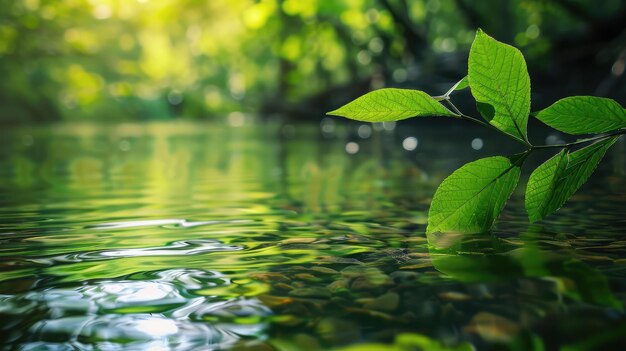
<point x="451" y="105"/>
<point x="531" y="147"/>
<point x="581" y="141"/>
<point x="488" y="125"/>
<point x="476" y="120"/>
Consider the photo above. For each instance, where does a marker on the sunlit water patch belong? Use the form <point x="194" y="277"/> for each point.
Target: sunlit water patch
<point x="138" y="331"/>
<point x="268" y="238"/>
<point x="139" y="312"/>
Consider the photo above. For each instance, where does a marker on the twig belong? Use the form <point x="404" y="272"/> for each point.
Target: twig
<point x="488" y="125"/>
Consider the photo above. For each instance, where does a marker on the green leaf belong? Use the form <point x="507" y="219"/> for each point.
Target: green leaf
<point x="460" y="85"/>
<point x="584" y="114"/>
<point x="541" y="186"/>
<point x="392" y="104"/>
<point x="500" y="84"/>
<point x="471" y="198"/>
<point x="552" y="183"/>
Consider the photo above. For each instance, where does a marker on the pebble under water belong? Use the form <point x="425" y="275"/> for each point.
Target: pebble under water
<point x="182" y="236"/>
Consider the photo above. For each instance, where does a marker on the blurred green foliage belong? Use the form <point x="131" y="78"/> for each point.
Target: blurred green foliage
<point x="142" y="59"/>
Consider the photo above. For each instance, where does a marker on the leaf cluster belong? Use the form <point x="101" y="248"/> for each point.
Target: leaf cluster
<point x="471" y="198"/>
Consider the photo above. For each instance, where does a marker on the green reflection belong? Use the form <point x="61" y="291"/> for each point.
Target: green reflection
<point x="485" y="258"/>
<point x="285" y="240"/>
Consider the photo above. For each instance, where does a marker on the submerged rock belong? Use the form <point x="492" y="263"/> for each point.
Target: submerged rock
<point x="270" y="277"/>
<point x="454" y="296"/>
<point x="337" y="285"/>
<point x="493" y="328"/>
<point x="338" y="331"/>
<point x="388" y="302"/>
<point x="403" y="276"/>
<point x="310" y="292"/>
<point x="324" y="270"/>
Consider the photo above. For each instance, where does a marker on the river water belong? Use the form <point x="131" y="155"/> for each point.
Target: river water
<point x="267" y="236"/>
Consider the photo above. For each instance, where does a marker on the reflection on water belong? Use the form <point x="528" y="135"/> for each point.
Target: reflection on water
<point x="201" y="237"/>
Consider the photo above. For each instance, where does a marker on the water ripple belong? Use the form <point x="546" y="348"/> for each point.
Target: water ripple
<point x="176" y="248"/>
<point x="153" y="291"/>
<point x="191" y="279"/>
<point x="148" y="310"/>
<point x="135" y="332"/>
<point x="108" y="296"/>
<point x="160" y="222"/>
<point x="226" y="310"/>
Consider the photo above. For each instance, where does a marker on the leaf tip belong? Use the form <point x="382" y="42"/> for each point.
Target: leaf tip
<point x="336" y="112"/>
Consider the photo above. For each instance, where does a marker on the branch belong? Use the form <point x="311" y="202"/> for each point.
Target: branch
<point x="485" y="124"/>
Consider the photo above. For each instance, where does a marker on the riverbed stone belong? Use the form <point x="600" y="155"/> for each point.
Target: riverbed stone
<point x="338" y="331"/>
<point x="337" y="285"/>
<point x="324" y="270"/>
<point x="310" y="292"/>
<point x="388" y="302"/>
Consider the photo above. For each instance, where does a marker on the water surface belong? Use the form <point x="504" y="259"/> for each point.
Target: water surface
<point x="269" y="236"/>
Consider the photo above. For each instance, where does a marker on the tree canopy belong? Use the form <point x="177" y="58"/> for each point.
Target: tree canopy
<point x="141" y="59"/>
